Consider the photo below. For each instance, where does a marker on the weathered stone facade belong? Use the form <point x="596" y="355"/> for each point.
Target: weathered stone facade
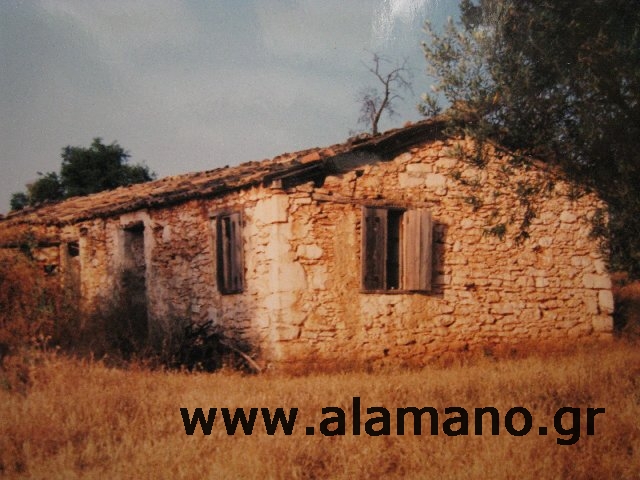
<point x="504" y="267"/>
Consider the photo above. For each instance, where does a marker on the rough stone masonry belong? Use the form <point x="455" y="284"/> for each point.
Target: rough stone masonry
<point x="387" y="249"/>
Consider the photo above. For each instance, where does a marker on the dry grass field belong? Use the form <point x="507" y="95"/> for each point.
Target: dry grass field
<point x="84" y="419"/>
<point x="68" y="418"/>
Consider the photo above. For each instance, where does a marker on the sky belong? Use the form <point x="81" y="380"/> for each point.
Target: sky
<point x="190" y="85"/>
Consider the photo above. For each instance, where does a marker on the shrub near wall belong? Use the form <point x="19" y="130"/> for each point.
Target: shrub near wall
<point x="627" y="314"/>
<point x="23" y="309"/>
<point x="33" y="307"/>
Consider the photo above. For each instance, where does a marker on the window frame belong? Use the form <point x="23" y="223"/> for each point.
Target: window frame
<point x="398" y="261"/>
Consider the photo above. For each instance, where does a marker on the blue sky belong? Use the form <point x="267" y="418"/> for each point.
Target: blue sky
<point x="188" y="85"/>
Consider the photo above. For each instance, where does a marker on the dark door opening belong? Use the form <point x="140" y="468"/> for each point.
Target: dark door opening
<point x="133" y="284"/>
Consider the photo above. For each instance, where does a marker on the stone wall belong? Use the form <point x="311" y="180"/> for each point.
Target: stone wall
<point x="494" y="282"/>
<point x="489" y="286"/>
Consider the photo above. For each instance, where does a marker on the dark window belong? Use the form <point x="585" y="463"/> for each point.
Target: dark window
<point x="73" y="249"/>
<point x="72" y="269"/>
<point x="394" y="253"/>
<point x="50" y="269"/>
<point x="396" y="249"/>
<point x="229" y="253"/>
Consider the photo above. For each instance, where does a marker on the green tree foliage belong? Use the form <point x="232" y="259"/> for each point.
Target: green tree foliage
<point x="84" y="171"/>
<point x="19" y="200"/>
<point x="100" y="167"/>
<point x="557" y="79"/>
<point x="47" y="188"/>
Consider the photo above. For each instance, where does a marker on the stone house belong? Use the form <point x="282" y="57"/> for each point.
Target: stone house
<point x="386" y="248"/>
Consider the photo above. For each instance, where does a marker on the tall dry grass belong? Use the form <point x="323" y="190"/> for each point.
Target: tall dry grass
<point x="82" y="419"/>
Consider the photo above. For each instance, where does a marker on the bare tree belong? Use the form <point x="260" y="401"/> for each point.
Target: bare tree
<point x="375" y="100"/>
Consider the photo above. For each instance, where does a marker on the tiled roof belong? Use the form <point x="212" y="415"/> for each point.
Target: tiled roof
<point x="211" y="183"/>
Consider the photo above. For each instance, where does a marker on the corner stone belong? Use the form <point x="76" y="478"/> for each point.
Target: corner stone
<point x="288" y="332"/>
<point x="597" y="281"/>
<point x="602" y="324"/>
<point x="605" y="301"/>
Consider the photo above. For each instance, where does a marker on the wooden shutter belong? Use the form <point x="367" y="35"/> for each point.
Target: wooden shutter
<point x="374" y="248"/>
<point x="417" y="248"/>
<point x="236" y="249"/>
<point x="230" y="258"/>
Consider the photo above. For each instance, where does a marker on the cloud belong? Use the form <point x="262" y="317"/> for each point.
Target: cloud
<point x="330" y="32"/>
<point x="394" y="16"/>
<point x="186" y="84"/>
<point x="123" y="29"/>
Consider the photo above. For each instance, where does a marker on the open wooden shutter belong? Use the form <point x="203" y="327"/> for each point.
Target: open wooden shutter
<point x="230" y="258"/>
<point x="374" y="251"/>
<point x="417" y="250"/>
<point x="222" y="252"/>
